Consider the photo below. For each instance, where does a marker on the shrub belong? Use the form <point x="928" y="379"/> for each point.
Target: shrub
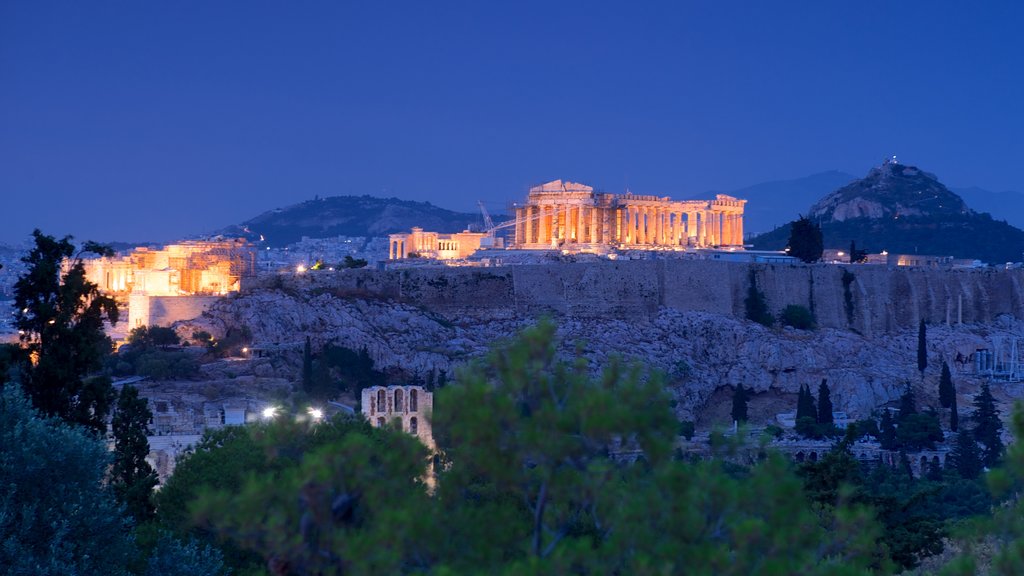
<point x="686" y="429"/>
<point x="798" y="317"/>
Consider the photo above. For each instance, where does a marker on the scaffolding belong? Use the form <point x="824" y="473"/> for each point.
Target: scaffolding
<point x="1003" y="362"/>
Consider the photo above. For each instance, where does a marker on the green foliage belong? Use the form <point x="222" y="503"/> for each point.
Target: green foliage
<point x="887" y="432"/>
<point x="824" y="404"/>
<point x="307" y="367"/>
<point x="805" y="240"/>
<point x="848" y="279"/>
<point x="954" y="416"/>
<point x="235" y="338"/>
<point x="922" y="348"/>
<point x="687" y="429"/>
<point x="740" y="397"/>
<point x="805" y="404"/>
<point x="988" y="428"/>
<point x="947" y="392"/>
<point x="351" y="262"/>
<point x="153" y="336"/>
<point x="965" y="457"/>
<point x="351" y="502"/>
<point x="56" y="515"/>
<point x="756" y="305"/>
<point x="132" y="478"/>
<point x="919" y="432"/>
<point x="61" y="315"/>
<point x="798" y="317"/>
<point x="346" y="369"/>
<point x="173" y="557"/>
<point x="857" y="256"/>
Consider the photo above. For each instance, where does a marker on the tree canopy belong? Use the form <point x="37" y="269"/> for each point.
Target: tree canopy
<point x="805" y="240"/>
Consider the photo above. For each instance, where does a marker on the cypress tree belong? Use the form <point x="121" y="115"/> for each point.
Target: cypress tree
<point x="739" y="404"/>
<point x="954" y="416"/>
<point x="946" y="390"/>
<point x="805" y="240"/>
<point x="965" y="457"/>
<point x="887" y="432"/>
<point x="908" y="406"/>
<point x="988" y="428"/>
<point x="805" y="404"/>
<point x="922" y="348"/>
<point x="824" y="403"/>
<point x="132" y="477"/>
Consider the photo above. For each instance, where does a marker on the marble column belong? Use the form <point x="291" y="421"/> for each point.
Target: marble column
<point x="593" y="225"/>
<point x="528" y="225"/>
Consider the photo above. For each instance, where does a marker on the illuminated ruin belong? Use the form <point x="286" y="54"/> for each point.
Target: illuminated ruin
<point x="572" y="217"/>
<point x="213" y="267"/>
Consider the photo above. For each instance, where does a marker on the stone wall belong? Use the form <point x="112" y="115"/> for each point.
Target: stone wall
<point x="880" y="299"/>
<point x="146" y="310"/>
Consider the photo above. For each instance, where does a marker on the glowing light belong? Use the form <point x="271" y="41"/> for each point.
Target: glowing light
<point x="840" y="254"/>
<point x="316" y="413"/>
<point x="269" y="412"/>
<point x="245" y="350"/>
<point x="300" y="268"/>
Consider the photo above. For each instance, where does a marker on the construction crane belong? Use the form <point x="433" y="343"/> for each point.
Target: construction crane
<point x="488" y="223"/>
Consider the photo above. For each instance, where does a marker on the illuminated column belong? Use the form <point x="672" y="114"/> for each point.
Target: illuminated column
<point x="739" y="229"/>
<point x="702" y="228"/>
<point x="641" y="225"/>
<point x="519" y="225"/>
<point x="593" y="225"/>
<point x="727" y="229"/>
<point x="630" y="233"/>
<point x="528" y="225"/>
<point x="391" y="250"/>
<point x="659" y="226"/>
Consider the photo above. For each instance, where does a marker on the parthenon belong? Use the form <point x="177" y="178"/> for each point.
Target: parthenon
<point x="568" y="214"/>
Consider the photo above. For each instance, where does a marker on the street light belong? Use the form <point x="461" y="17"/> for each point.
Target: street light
<point x="316" y="413"/>
<point x="269" y="412"/>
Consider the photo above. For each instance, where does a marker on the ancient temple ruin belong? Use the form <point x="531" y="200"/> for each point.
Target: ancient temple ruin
<point x="571" y="215"/>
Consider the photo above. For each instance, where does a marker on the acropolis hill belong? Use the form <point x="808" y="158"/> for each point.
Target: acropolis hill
<point x="685" y="318"/>
<point x="871" y="299"/>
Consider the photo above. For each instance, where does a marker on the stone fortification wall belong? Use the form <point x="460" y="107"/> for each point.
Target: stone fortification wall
<point x="144" y="310"/>
<point x="870" y="299"/>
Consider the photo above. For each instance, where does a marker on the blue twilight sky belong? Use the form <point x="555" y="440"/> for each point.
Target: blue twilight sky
<point x="152" y="120"/>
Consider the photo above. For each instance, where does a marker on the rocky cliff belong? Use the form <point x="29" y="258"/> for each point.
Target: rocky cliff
<point x="682" y="318"/>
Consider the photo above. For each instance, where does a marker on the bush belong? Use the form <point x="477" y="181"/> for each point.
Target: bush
<point x="757" y="305"/>
<point x="798" y="317"/>
<point x="686" y="429"/>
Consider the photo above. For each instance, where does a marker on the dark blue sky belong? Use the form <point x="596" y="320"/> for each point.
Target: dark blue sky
<point x="152" y="120"/>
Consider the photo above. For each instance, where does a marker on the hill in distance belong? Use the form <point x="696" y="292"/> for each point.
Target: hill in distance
<point x="771" y="204"/>
<point x="365" y="216"/>
<point x="903" y="209"/>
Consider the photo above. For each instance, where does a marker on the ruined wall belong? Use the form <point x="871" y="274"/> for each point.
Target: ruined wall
<point x="146" y="310"/>
<point x="872" y="299"/>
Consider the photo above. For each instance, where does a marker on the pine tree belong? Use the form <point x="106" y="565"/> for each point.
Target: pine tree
<point x="965" y="457"/>
<point x="824" y="404"/>
<point x="988" y="428"/>
<point x="307" y="367"/>
<point x="934" y="470"/>
<point x="922" y="348"/>
<point x="60" y="316"/>
<point x="887" y="432"/>
<point x="805" y="240"/>
<point x="739" y="404"/>
<point x="946" y="390"/>
<point x="132" y="477"/>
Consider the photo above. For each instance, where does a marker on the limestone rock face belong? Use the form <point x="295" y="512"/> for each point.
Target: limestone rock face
<point x="698" y="351"/>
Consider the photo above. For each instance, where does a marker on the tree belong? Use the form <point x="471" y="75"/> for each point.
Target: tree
<point x="153" y="336"/>
<point x="908" y="405"/>
<point x="61" y="315"/>
<point x="887" y="432"/>
<point x="57" y="516"/>
<point x="756" y="305"/>
<point x="173" y="557"/>
<point x="922" y="348"/>
<point x="954" y="416"/>
<point x="805" y="240"/>
<point x="988" y="428"/>
<point x="739" y="403"/>
<point x="805" y="404"/>
<point x="856" y="256"/>
<point x="351" y="262"/>
<point x="824" y="404"/>
<point x="965" y="457"/>
<point x="132" y="477"/>
<point x="947" y="392"/>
